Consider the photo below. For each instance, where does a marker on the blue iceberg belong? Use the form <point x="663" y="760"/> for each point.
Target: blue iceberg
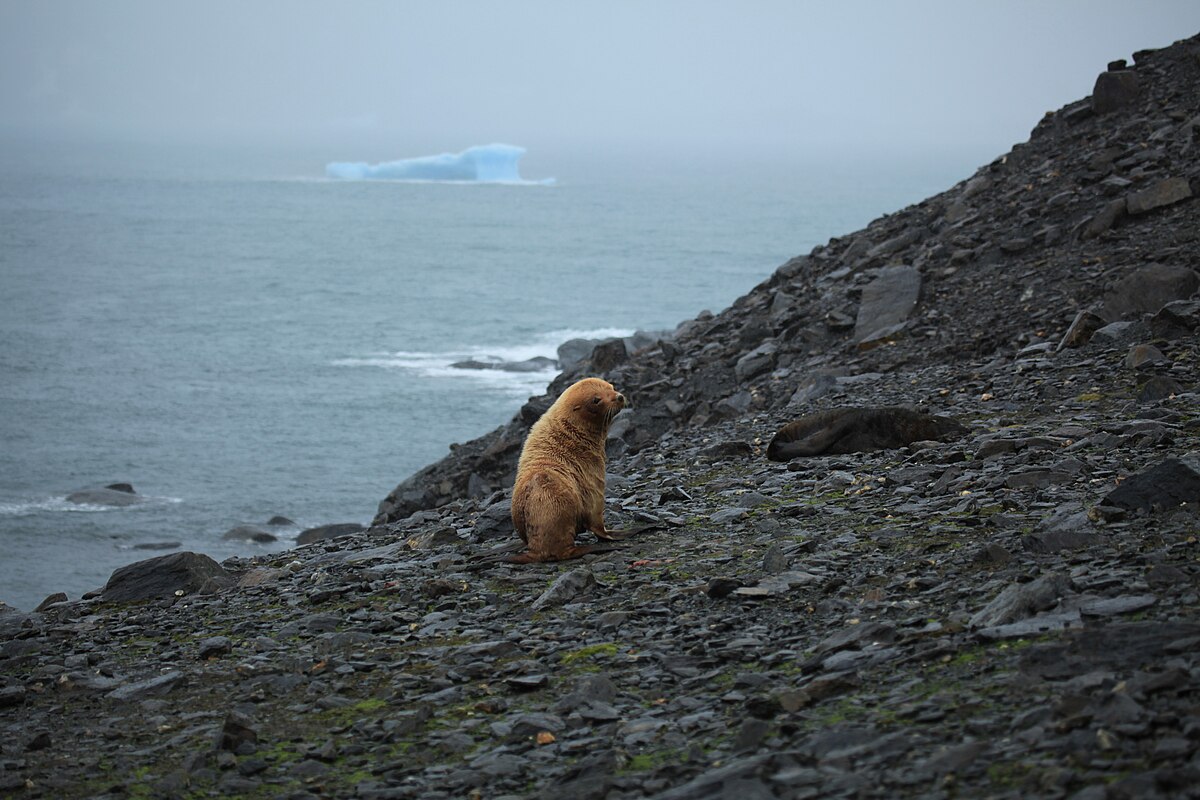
<point x="488" y="163"/>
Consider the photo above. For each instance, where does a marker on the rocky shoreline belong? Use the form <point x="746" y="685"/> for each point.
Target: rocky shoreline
<point x="1010" y="613"/>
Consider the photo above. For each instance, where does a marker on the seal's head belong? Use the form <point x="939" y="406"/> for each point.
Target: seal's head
<point x="592" y="402"/>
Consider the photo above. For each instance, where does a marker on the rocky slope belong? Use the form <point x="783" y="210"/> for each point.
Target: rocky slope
<point x="1012" y="613"/>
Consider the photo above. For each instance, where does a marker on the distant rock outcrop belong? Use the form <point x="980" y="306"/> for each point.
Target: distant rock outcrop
<point x="115" y="494"/>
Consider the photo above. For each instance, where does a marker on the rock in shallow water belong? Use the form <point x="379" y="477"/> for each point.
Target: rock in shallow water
<point x="115" y="494"/>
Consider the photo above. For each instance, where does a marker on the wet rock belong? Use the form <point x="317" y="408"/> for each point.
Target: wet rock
<point x="535" y="364"/>
<point x="249" y="533"/>
<point x="115" y="494"/>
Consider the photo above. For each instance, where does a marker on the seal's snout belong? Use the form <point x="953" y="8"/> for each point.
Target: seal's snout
<point x="620" y="400"/>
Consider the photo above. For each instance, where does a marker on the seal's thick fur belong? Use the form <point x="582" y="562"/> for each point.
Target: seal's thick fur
<point x="559" y="490"/>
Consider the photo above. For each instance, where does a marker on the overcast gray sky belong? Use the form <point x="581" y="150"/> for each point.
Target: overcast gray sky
<point x="397" y="79"/>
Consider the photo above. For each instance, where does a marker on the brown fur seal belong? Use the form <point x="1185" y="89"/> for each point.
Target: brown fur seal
<point x="559" y="490"/>
<point x="853" y="430"/>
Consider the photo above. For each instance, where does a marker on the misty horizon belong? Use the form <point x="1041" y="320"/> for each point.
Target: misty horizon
<point x="381" y="81"/>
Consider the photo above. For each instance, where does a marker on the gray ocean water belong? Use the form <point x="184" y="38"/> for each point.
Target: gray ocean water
<point x="239" y="337"/>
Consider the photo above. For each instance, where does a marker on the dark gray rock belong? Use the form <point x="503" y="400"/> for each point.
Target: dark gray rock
<point x="1162" y="193"/>
<point x="54" y="599"/>
<point x="1159" y="387"/>
<point x="1114" y="90"/>
<point x="333" y="531"/>
<point x="495" y="521"/>
<point x="535" y="364"/>
<point x="1145" y="356"/>
<point x="608" y="355"/>
<point x="757" y="361"/>
<point x="249" y="533"/>
<point x="887" y="302"/>
<point x="568" y="587"/>
<point x="215" y="646"/>
<point x="151" y="687"/>
<point x="1168" y="485"/>
<point x="1176" y="320"/>
<point x="1081" y="330"/>
<point x="1021" y="600"/>
<point x="1104" y="219"/>
<point x="115" y="494"/>
<point x="1148" y="289"/>
<point x="163" y="576"/>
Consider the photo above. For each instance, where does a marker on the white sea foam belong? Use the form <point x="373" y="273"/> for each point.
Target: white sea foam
<point x="60" y="505"/>
<point x="438" y="365"/>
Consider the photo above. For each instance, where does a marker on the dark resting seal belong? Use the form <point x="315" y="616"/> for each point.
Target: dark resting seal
<point x="854" y="430"/>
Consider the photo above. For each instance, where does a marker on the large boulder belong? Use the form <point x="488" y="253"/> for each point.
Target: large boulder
<point x="164" y="576"/>
<point x="1168" y="485"/>
<point x="1148" y="289"/>
<point x="1114" y="90"/>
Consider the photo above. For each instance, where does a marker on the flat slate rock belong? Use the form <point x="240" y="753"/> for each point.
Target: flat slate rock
<point x="887" y="302"/>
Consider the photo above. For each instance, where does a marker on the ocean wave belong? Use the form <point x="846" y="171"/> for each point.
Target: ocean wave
<point x="439" y="365"/>
<point x="60" y="505"/>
